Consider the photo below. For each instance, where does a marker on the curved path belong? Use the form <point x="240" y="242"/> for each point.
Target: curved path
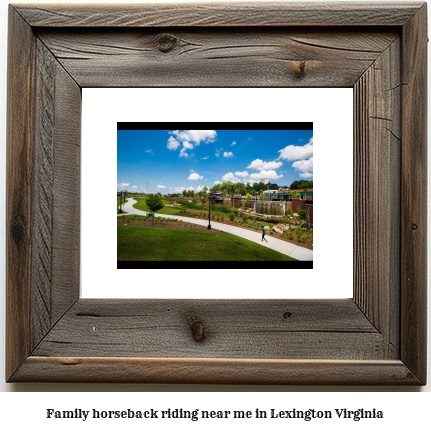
<point x="292" y="250"/>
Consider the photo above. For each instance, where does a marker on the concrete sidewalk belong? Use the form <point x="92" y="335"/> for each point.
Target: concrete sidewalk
<point x="292" y="250"/>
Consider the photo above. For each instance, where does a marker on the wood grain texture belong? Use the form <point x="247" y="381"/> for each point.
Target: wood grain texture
<point x="377" y="146"/>
<point x="67" y="194"/>
<point x="43" y="194"/>
<point x="234" y="329"/>
<point x="215" y="371"/>
<point x="219" y="15"/>
<point x="55" y="268"/>
<point x="20" y="194"/>
<point x="378" y="338"/>
<point x="216" y="58"/>
<point x="413" y="189"/>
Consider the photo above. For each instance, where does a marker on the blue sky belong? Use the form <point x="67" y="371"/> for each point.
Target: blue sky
<point x="170" y="161"/>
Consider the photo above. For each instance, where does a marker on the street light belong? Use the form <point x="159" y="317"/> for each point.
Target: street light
<point x="122" y="195"/>
<point x="209" y="212"/>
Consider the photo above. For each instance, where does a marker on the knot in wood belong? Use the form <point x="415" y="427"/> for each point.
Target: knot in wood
<point x="167" y="42"/>
<point x="287" y="314"/>
<point x="300" y="69"/>
<point x="414" y="226"/>
<point x="18" y="233"/>
<point x="197" y="327"/>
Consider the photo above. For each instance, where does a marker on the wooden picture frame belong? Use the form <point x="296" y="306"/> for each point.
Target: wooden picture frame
<point x="378" y="337"/>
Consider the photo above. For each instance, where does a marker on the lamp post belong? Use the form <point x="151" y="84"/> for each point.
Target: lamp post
<point x="209" y="212"/>
<point x="122" y="195"/>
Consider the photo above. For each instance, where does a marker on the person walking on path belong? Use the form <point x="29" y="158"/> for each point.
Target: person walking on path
<point x="263" y="234"/>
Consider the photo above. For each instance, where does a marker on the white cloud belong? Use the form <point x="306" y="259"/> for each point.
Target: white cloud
<point x="242" y="174"/>
<point x="134" y="187"/>
<point x="160" y="186"/>
<point x="233" y="144"/>
<point x="194" y="177"/>
<point x="173" y="144"/>
<point x="196" y="136"/>
<point x="297" y="152"/>
<point x="192" y="170"/>
<point x="204" y="158"/>
<point x="187" y="145"/>
<point x="217" y="182"/>
<point x="230" y="177"/>
<point x="149" y="151"/>
<point x="191" y="188"/>
<point x="199" y="188"/>
<point x="227" y="154"/>
<point x="122" y="185"/>
<point x="305" y="167"/>
<point x="179" y="189"/>
<point x="183" y="153"/>
<point x="189" y="139"/>
<point x="260" y="165"/>
<point x="270" y="174"/>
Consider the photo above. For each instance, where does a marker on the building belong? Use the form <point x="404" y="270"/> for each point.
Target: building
<point x="304" y="194"/>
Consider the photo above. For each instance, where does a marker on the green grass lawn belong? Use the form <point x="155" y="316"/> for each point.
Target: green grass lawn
<point x="158" y="244"/>
<point x="141" y="204"/>
<point x="118" y="204"/>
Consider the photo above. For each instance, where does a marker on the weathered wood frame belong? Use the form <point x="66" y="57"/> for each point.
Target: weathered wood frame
<point x="379" y="337"/>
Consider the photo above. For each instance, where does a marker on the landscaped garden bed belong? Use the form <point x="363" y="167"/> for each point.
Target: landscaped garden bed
<point x="230" y="215"/>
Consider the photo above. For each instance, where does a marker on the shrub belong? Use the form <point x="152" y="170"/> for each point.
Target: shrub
<point x="289" y="211"/>
<point x="189" y="205"/>
<point x="301" y="213"/>
<point x="223" y="208"/>
<point x="245" y="218"/>
<point x="247" y="204"/>
<point x="232" y="216"/>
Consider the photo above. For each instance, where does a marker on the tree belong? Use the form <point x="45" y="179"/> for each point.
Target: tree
<point x="301" y="184"/>
<point x="249" y="188"/>
<point x="154" y="203"/>
<point x="258" y="187"/>
<point x="185" y="193"/>
<point x="294" y="195"/>
<point x="241" y="189"/>
<point x="231" y="190"/>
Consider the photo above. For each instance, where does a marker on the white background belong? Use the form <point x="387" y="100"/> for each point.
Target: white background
<point x="330" y="110"/>
<point x="402" y="407"/>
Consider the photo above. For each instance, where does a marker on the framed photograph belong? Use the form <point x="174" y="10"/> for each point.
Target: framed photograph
<point x="376" y="337"/>
<point x="213" y="193"/>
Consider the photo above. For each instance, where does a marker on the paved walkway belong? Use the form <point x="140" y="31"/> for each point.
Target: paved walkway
<point x="292" y="250"/>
